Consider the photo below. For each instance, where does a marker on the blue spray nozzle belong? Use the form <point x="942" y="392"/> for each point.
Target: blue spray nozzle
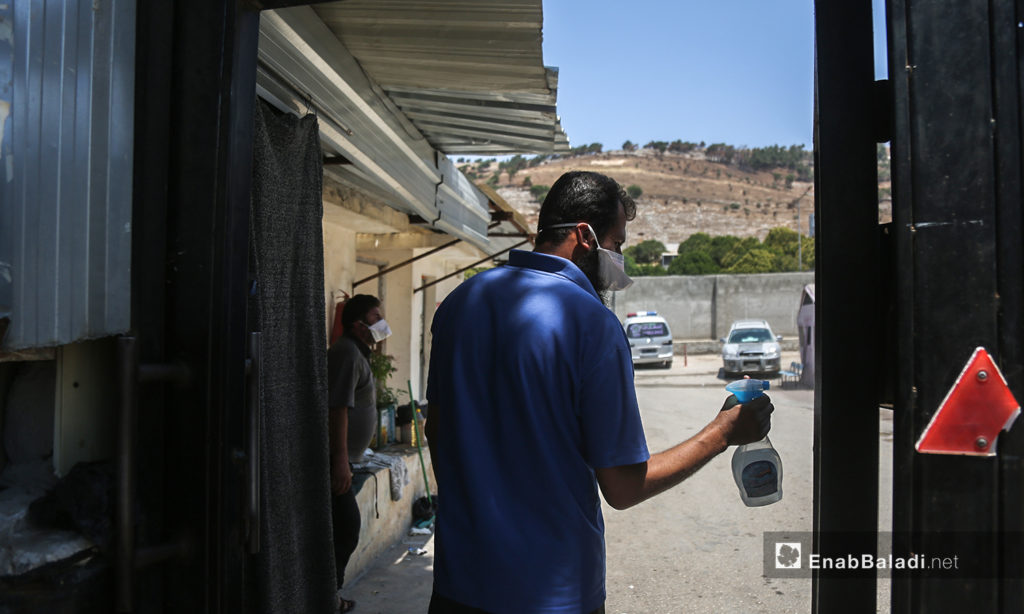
<point x="747" y="389"/>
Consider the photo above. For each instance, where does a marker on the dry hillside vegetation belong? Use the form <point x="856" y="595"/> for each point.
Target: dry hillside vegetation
<point x="682" y="194"/>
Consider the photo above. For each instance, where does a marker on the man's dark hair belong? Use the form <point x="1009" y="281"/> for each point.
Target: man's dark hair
<point x="582" y="196"/>
<point x="356" y="309"/>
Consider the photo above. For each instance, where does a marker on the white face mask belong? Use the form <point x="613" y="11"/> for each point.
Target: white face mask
<point x="611" y="265"/>
<point x="380" y="331"/>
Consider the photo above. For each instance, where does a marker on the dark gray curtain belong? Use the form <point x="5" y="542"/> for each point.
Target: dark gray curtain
<point x="294" y="571"/>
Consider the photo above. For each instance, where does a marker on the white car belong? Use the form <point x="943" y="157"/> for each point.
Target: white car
<point x="751" y="347"/>
<point x="650" y="339"/>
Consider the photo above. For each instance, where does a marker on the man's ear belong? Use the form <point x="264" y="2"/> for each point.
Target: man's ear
<point x="583" y="237"/>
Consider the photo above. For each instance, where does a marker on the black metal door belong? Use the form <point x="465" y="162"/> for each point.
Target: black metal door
<point x="956" y="160"/>
<point x="196" y="88"/>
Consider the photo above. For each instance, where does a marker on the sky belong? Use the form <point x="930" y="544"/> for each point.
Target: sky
<point x="734" y="71"/>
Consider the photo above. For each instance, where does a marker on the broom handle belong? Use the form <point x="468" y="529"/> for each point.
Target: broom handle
<point x="419" y="440"/>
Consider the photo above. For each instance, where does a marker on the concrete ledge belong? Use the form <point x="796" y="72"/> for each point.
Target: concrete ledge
<point x="377" y="534"/>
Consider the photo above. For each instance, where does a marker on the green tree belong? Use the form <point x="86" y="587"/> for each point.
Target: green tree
<point x="629" y="146"/>
<point x="781" y="240"/>
<point x="785" y="244"/>
<point x="634" y="191"/>
<point x="693" y="263"/>
<point x="697" y="242"/>
<point x="738" y="252"/>
<point x="757" y="260"/>
<point x="652" y="270"/>
<point x="646" y="252"/>
<point x="632" y="269"/>
<point x="720" y="246"/>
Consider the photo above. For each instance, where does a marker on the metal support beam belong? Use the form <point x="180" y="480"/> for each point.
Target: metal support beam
<point x="847" y="307"/>
<point x="466" y="268"/>
<point x="406" y="262"/>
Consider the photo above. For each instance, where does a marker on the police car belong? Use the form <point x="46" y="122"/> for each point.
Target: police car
<point x="650" y="339"/>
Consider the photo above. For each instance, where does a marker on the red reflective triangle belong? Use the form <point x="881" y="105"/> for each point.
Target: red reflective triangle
<point x="976" y="409"/>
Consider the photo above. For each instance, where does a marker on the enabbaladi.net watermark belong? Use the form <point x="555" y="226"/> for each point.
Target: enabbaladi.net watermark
<point x="791" y="555"/>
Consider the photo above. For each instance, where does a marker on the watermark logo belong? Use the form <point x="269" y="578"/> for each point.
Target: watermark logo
<point x="868" y="554"/>
<point x="787" y="555"/>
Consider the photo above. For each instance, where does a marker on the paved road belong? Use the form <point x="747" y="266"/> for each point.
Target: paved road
<point x="696" y="548"/>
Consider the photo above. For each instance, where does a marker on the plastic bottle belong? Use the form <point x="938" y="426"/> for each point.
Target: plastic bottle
<point x="756" y="467"/>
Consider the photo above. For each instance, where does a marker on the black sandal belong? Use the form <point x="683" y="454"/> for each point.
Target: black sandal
<point x="346" y="605"/>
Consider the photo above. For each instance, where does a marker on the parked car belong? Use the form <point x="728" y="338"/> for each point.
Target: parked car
<point x="751" y="348"/>
<point x="650" y="339"/>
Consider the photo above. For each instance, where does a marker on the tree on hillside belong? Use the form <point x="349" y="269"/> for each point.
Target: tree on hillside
<point x="540" y="192"/>
<point x="659" y="146"/>
<point x="634" y="191"/>
<point x="582" y="150"/>
<point x="513" y="165"/>
<point x="720" y="152"/>
<point x="679" y="146"/>
<point x="629" y="146"/>
<point x="646" y="252"/>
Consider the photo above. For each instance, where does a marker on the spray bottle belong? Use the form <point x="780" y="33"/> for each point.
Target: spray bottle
<point x="756" y="467"/>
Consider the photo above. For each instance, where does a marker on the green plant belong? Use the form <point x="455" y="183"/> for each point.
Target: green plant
<point x="382" y="366"/>
<point x="634" y="191"/>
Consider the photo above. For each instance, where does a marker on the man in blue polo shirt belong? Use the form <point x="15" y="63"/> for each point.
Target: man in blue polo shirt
<point x="533" y="407"/>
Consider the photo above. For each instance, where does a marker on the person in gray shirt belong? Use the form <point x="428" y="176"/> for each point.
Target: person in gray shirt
<point x="351" y="399"/>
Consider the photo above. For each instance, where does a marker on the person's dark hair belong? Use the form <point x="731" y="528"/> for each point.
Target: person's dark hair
<point x="582" y="196"/>
<point x="356" y="309"/>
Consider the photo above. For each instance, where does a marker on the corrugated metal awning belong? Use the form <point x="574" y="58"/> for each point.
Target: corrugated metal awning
<point x="469" y="74"/>
<point x="375" y="145"/>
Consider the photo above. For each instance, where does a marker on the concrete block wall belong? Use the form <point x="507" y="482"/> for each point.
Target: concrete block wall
<point x="703" y="306"/>
<point x="377" y="534"/>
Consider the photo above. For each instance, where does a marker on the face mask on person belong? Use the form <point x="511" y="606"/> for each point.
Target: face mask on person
<point x="611" y="265"/>
<point x="380" y="330"/>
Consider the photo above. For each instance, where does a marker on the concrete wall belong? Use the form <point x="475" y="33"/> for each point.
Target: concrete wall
<point x="339" y="265"/>
<point x="374" y="496"/>
<point x="703" y="307"/>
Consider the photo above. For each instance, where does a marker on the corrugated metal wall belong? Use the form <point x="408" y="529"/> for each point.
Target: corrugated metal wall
<point x="65" y="211"/>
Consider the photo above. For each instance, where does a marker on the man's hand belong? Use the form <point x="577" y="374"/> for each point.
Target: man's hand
<point x="745" y="423"/>
<point x="627" y="485"/>
<point x="341" y="474"/>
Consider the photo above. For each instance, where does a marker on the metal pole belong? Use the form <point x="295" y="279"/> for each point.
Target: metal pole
<point x="466" y="268"/>
<point x="127" y="360"/>
<point x="406" y="262"/>
<point x="799" y="239"/>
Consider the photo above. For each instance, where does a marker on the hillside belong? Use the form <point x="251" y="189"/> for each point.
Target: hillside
<point x="683" y="193"/>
